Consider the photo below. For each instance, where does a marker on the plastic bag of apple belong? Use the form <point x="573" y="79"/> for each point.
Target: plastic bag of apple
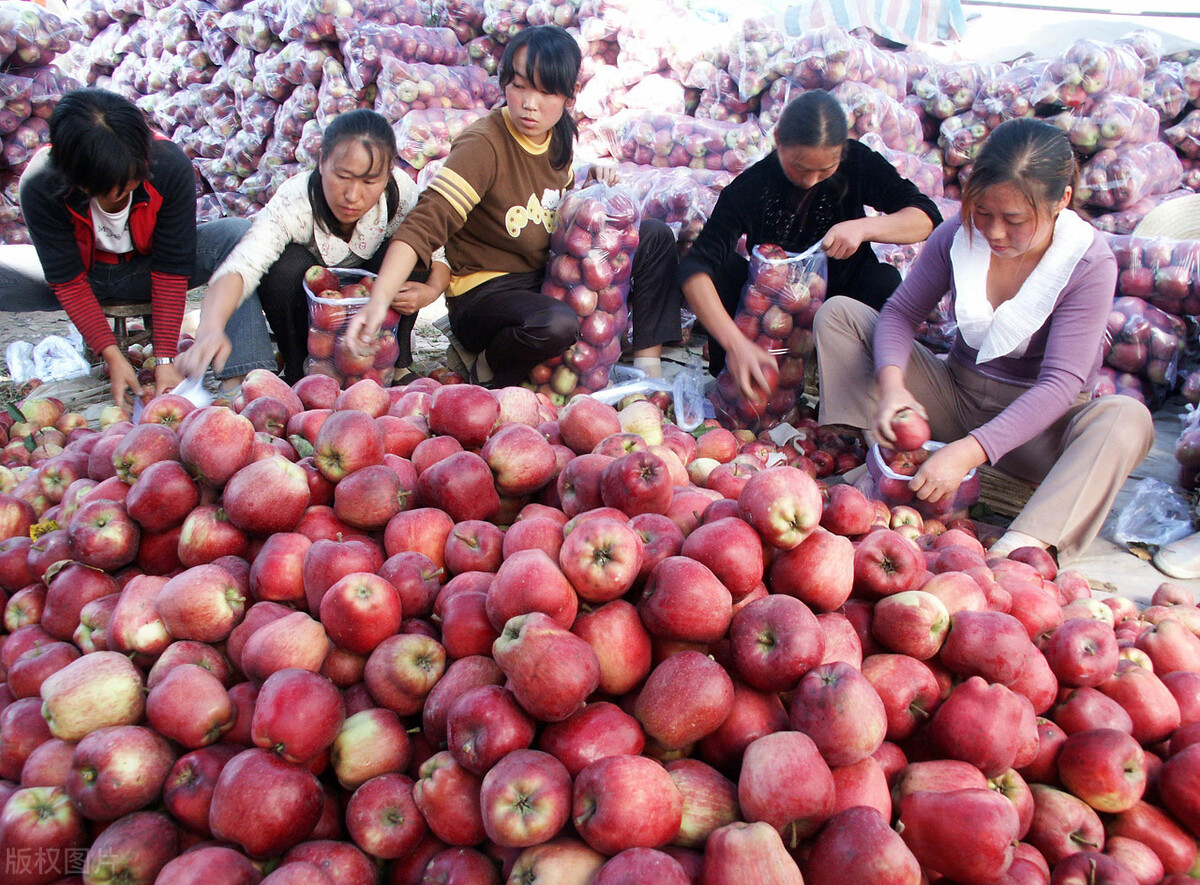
<point x="827" y="57"/>
<point x="1118" y="178"/>
<point x="1108" y="121"/>
<point x="334" y="296"/>
<point x="591" y="260"/>
<point x="950" y="89"/>
<point x="890" y="471"/>
<point x="426" y="135"/>
<point x="655" y="139"/>
<point x="920" y="170"/>
<point x="1164" y="272"/>
<point x="33" y="35"/>
<point x="1088" y="68"/>
<point x="321" y="722"/>
<point x="366" y="44"/>
<point x="404" y="86"/>
<point x="1145" y="341"/>
<point x="1187" y="446"/>
<point x="775" y="312"/>
<point x="1125" y="221"/>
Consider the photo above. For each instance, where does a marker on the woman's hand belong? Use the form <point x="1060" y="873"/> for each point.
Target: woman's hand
<point x="210" y="346"/>
<point x="748" y="364"/>
<point x="603" y="174"/>
<point x="166" y="378"/>
<point x="843" y="239"/>
<point x="893" y="398"/>
<point x="413" y="296"/>
<point x="364" y="326"/>
<point x="941" y="475"/>
<point x="121" y="375"/>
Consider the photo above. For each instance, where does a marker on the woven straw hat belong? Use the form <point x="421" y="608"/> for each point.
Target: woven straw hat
<point x="1178" y="219"/>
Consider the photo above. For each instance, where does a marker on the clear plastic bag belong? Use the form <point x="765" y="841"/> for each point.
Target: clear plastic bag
<point x="308" y="149"/>
<point x="776" y="311"/>
<point x="681" y="198"/>
<point x="1147" y="45"/>
<point x="595" y="236"/>
<point x="1155" y="516"/>
<point x="1087" y="68"/>
<point x="755" y="61"/>
<point x="949" y="89"/>
<point x="33" y="35"/>
<point x="49" y="85"/>
<point x="426" y="135"/>
<point x="1118" y="178"/>
<point x="825" y="57"/>
<point x="922" y="172"/>
<point x="1164" y="272"/>
<point x="300" y="107"/>
<point x="335" y="95"/>
<point x="464" y="17"/>
<point x="961" y="137"/>
<point x="1125" y="221"/>
<point x="296" y="63"/>
<point x="1108" y="121"/>
<point x="92" y="14"/>
<point x="1163" y="90"/>
<point x="407" y="86"/>
<point x="1145" y="341"/>
<point x="16" y="101"/>
<point x="249" y="28"/>
<point x="257" y="115"/>
<point x="1184" y="136"/>
<point x="366" y="44"/>
<point x="654" y="139"/>
<point x="328" y="350"/>
<point x="719" y="100"/>
<point x="870" y="110"/>
<point x="1007" y="95"/>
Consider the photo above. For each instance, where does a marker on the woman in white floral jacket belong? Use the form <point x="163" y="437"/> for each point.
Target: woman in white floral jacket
<point x="342" y="214"/>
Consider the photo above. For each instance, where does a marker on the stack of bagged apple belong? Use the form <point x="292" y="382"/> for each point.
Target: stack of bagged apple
<point x="441" y="634"/>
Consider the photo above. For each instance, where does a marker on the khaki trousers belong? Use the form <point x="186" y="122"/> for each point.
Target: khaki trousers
<point x="1080" y="461"/>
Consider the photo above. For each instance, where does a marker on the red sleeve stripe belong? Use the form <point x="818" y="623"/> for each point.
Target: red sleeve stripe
<point x="80" y="303"/>
<point x="168" y="297"/>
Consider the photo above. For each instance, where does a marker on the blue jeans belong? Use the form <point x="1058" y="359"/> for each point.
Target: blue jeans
<point x="23" y="288"/>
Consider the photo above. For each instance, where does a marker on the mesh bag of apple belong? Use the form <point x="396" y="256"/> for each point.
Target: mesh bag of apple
<point x="1087" y="68"/>
<point x="1147" y="342"/>
<point x="1164" y="272"/>
<point x="334" y="296"/>
<point x="365" y="45"/>
<point x="591" y="260"/>
<point x="775" y="311"/>
<point x="1118" y="178"/>
<point x="426" y="135"/>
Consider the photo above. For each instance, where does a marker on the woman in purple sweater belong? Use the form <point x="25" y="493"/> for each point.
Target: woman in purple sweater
<point x="1032" y="284"/>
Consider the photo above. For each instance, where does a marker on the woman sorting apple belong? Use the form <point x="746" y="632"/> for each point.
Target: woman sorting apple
<point x="1032" y="284"/>
<point x="494" y="204"/>
<point x="341" y="214"/>
<point x="812" y="189"/>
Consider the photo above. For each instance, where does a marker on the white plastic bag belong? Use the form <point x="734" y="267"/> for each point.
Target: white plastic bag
<point x="55" y="358"/>
<point x="1156" y="515"/>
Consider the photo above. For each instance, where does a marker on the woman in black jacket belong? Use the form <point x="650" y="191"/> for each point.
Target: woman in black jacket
<point x="813" y="188"/>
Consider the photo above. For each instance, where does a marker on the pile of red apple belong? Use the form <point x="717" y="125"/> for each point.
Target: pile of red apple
<point x="445" y="634"/>
<point x="591" y="262"/>
<point x="776" y="312"/>
<point x="334" y="296"/>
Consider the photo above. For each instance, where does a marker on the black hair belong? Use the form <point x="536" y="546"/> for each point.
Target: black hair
<point x="552" y="61"/>
<point x="99" y="141"/>
<point x="375" y="134"/>
<point x="813" y="119"/>
<point x="1034" y="157"/>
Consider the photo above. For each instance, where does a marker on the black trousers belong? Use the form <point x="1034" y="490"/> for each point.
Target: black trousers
<point x="517" y="327"/>
<point x="285" y="306"/>
<point x="869" y="282"/>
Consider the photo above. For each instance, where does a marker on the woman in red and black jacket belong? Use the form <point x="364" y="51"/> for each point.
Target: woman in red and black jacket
<point x="111" y="209"/>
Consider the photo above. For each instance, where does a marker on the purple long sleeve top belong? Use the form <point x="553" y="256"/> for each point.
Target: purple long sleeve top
<point x="1062" y="357"/>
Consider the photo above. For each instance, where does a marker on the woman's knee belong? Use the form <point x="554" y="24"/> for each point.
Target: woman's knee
<point x="840" y="311"/>
<point x="1128" y="422"/>
<point x="559" y="328"/>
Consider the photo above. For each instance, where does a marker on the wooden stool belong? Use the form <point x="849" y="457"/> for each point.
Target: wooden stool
<point x="120" y="312"/>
